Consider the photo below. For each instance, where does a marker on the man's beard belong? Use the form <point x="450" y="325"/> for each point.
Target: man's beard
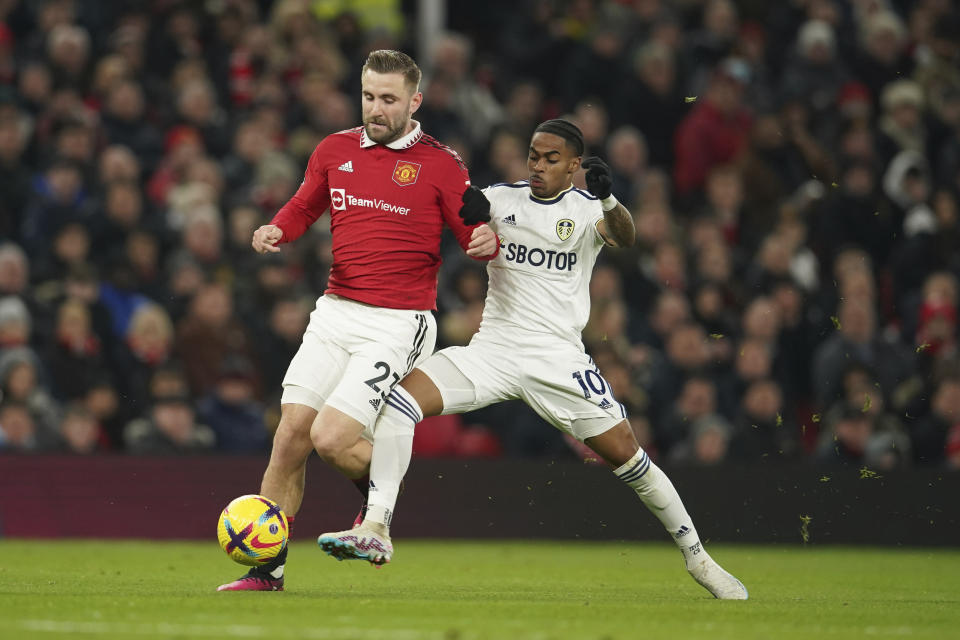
<point x="388" y="136"/>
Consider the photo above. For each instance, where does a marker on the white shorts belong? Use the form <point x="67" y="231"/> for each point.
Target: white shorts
<point x="353" y="354"/>
<point x="556" y="379"/>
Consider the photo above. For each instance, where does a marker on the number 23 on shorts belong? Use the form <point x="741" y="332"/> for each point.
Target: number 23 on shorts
<point x="375" y="382"/>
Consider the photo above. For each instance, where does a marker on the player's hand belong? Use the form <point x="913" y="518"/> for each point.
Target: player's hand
<point x="483" y="241"/>
<point x="598" y="177"/>
<point x="476" y="207"/>
<point x="265" y="239"/>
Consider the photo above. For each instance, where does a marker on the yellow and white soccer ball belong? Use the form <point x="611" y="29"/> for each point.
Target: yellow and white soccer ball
<point x="252" y="530"/>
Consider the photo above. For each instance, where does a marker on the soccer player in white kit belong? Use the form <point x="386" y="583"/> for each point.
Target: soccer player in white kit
<point x="529" y="347"/>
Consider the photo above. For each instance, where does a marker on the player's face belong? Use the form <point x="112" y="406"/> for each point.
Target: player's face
<point x="551" y="163"/>
<point x="387" y="102"/>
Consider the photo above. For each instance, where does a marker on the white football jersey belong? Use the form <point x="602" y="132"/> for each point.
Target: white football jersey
<point x="540" y="281"/>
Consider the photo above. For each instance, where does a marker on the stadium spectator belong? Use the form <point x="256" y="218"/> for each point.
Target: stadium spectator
<point x="651" y="100"/>
<point x="18" y="429"/>
<point x="209" y="332"/>
<point x="715" y="131"/>
<point x="930" y="434"/>
<point x="856" y="340"/>
<point x="21" y="381"/>
<point x="170" y="427"/>
<point x="77" y="352"/>
<point x="147" y="345"/>
<point x="80" y="431"/>
<point x="231" y="410"/>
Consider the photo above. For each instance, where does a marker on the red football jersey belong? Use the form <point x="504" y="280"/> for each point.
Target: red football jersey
<point x="387" y="205"/>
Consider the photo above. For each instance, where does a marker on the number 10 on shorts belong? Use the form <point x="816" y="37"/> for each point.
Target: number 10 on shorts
<point x="590" y="380"/>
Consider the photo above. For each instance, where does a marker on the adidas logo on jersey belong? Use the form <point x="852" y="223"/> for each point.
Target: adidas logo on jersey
<point x="605" y="404"/>
<point x="375" y="403"/>
<point x="347" y="166"/>
<point x="510" y="219"/>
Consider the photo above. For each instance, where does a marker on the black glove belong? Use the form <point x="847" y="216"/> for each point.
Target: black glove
<point x="476" y="207"/>
<point x="598" y="177"/>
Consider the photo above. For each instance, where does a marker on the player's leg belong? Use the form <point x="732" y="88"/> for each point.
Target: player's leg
<point x="415" y="398"/>
<point x="619" y="447"/>
<point x="336" y="438"/>
<point x="439" y="385"/>
<point x="283" y="482"/>
<point x="310" y="378"/>
<point x="576" y="399"/>
<point x="390" y="342"/>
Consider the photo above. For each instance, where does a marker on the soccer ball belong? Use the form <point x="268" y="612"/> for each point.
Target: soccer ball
<point x="252" y="530"/>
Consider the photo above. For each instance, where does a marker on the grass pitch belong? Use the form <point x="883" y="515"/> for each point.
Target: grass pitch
<point x="473" y="591"/>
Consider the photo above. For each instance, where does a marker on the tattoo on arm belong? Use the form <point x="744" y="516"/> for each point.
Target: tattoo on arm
<point x="620" y="226"/>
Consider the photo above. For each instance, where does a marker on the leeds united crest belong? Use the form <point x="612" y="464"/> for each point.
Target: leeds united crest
<point x="565" y="228"/>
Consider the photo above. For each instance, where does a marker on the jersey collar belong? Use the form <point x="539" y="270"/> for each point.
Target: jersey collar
<point x="403" y="142"/>
<point x="552" y="200"/>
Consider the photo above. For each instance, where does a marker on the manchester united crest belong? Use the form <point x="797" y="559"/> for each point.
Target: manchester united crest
<point x="405" y="173"/>
<point x="564" y="228"/>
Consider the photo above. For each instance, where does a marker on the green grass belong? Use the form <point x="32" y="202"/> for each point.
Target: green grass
<point x="468" y="591"/>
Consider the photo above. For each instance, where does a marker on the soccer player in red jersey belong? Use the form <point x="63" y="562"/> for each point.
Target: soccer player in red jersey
<point x="389" y="188"/>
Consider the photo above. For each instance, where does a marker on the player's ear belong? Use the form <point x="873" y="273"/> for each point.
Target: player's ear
<point x="574" y="165"/>
<point x="415" y="102"/>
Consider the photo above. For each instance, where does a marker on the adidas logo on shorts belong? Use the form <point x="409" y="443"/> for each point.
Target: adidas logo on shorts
<point x="605" y="404"/>
<point x="375" y="403"/>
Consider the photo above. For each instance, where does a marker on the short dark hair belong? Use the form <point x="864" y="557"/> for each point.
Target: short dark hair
<point x="566" y="130"/>
<point x="390" y="61"/>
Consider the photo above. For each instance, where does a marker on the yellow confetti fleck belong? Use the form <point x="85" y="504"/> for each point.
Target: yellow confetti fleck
<point x="716" y="336"/>
<point x="834" y="185"/>
<point x="779" y="419"/>
<point x="589" y="460"/>
<point x="803" y="429"/>
<point x="836" y="322"/>
<point x="690" y="99"/>
<point x="923" y="347"/>
<point x="869" y="474"/>
<point x="815" y="417"/>
<point x="824" y="478"/>
<point x="867" y="403"/>
<point x="876" y="213"/>
<point x="805" y="528"/>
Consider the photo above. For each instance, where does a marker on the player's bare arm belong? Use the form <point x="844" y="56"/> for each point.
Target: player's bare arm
<point x="483" y="242"/>
<point x="265" y="239"/>
<point x="617" y="227"/>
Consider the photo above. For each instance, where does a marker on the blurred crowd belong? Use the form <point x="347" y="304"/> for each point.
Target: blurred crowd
<point x="793" y="169"/>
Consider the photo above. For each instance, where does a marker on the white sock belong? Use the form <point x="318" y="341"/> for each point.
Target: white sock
<point x="393" y="447"/>
<point x="659" y="495"/>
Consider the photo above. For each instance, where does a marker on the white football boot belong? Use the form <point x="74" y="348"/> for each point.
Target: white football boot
<point x="714" y="579"/>
<point x="369" y="541"/>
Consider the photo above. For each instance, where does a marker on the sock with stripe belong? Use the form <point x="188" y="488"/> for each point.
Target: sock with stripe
<point x="391" y="454"/>
<point x="661" y="498"/>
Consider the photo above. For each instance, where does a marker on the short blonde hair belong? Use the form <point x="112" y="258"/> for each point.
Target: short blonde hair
<point x="390" y="61"/>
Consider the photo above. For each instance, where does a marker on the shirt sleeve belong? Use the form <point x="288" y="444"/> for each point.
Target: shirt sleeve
<point x="308" y="203"/>
<point x="456" y="180"/>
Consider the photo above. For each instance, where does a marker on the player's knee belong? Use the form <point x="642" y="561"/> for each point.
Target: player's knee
<point x="291" y="444"/>
<point x="329" y="444"/>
